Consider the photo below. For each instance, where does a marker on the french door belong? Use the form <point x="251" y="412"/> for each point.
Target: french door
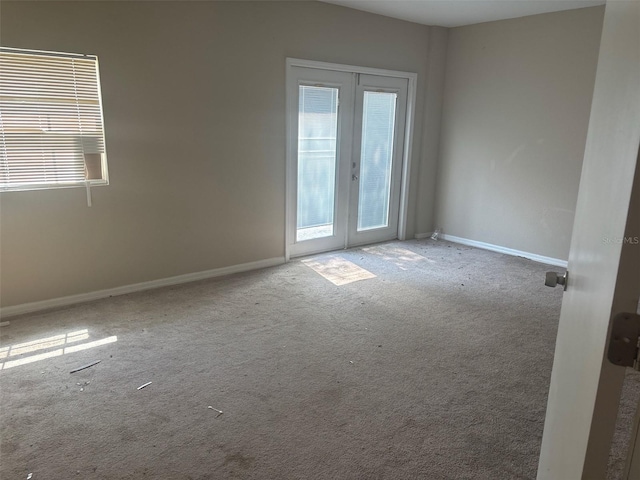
<point x="346" y="140"/>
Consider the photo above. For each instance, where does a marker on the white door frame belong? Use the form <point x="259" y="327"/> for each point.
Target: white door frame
<point x="290" y="147"/>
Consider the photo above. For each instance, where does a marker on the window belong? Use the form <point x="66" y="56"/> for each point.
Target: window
<point x="51" y="128"/>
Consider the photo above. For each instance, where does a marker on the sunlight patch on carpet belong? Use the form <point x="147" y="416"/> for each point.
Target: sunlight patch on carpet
<point x="44" y="343"/>
<point x="338" y="270"/>
<point x="26" y="350"/>
<point x="397" y="255"/>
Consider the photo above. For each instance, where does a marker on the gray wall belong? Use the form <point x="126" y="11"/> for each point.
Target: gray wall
<point x="516" y="110"/>
<point x="194" y="107"/>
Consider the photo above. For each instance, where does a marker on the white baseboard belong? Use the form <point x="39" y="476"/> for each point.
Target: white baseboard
<point x="508" y="251"/>
<point x="419" y="236"/>
<point x="137" y="287"/>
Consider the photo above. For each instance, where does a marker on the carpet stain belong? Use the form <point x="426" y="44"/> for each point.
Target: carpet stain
<point x="161" y="418"/>
<point x="127" y="435"/>
<point x="328" y="396"/>
<point x="9" y="447"/>
<point x="237" y="459"/>
<point x="410" y="423"/>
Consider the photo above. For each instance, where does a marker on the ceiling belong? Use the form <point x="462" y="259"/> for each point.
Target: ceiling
<point x="455" y="13"/>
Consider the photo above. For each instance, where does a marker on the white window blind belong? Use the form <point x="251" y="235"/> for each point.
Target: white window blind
<point x="51" y="128"/>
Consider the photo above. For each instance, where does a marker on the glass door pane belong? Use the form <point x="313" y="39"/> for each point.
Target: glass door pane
<point x="376" y="159"/>
<point x="317" y="155"/>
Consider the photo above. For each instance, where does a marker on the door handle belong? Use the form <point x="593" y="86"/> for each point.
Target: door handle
<point x="354" y="177"/>
<point x="553" y="279"/>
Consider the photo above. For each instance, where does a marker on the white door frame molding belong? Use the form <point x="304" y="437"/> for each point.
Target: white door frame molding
<point x="408" y="139"/>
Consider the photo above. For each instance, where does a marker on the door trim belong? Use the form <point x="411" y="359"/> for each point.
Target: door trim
<point x="408" y="140"/>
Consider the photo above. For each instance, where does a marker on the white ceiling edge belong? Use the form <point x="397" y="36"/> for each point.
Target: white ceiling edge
<point x="456" y="13"/>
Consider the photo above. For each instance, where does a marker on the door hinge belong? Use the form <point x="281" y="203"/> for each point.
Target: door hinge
<point x="624" y="343"/>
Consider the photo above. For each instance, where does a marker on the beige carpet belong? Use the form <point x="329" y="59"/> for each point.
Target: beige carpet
<point x="406" y="360"/>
